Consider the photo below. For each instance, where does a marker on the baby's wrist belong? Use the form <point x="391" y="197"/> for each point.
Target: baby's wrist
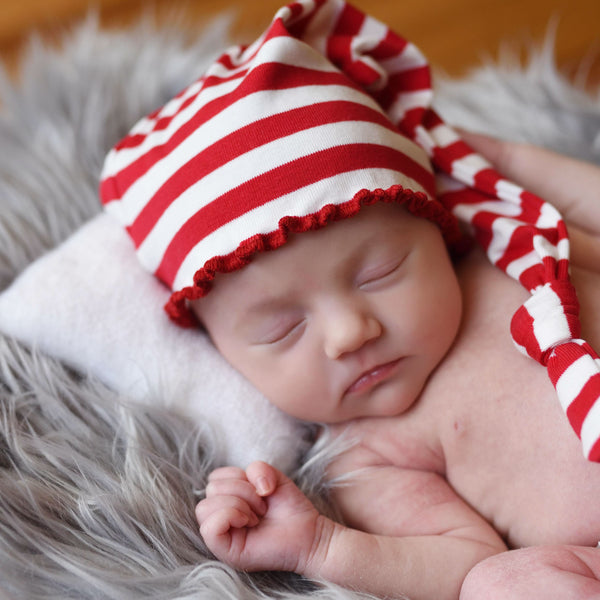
<point x="319" y="559"/>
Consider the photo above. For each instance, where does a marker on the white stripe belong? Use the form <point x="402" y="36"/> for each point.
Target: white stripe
<point x="239" y="57"/>
<point x="369" y="37"/>
<point x="590" y="428"/>
<point x="519" y="265"/>
<point x="467" y="211"/>
<point x="444" y="135"/>
<point x="251" y="164"/>
<point x="371" y="34"/>
<point x="410" y="58"/>
<point x="571" y="382"/>
<point x="509" y="191"/>
<point x="264" y="219"/>
<point x="445" y="183"/>
<point x="175" y="104"/>
<point x="126" y="156"/>
<point x="550" y="325"/>
<point x="406" y="101"/>
<point x="545" y="248"/>
<point x="502" y="230"/>
<point x="145" y="125"/>
<point x="549" y="216"/>
<point x="286" y="51"/>
<point x="321" y="24"/>
<point x="246" y="111"/>
<point x="465" y="169"/>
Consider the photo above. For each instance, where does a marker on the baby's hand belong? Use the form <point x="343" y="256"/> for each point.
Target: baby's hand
<point x="258" y="520"/>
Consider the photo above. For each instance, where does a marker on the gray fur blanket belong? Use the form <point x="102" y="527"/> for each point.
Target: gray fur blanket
<point x="97" y="492"/>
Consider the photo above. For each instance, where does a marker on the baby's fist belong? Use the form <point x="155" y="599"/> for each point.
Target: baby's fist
<point x="258" y="519"/>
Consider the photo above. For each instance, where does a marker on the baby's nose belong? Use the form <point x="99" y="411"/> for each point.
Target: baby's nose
<point x="348" y="330"/>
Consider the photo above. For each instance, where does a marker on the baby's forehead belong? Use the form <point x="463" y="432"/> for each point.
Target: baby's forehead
<point x="336" y="245"/>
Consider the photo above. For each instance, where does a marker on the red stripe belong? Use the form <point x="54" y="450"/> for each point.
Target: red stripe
<point x="432" y="120"/>
<point x="486" y="180"/>
<point x="269" y="76"/>
<point x="520" y="244"/>
<point x="349" y="23"/>
<point x="563" y="357"/>
<point x="160" y="123"/>
<point x="521" y="330"/>
<point x="580" y="407"/>
<point x="133" y="141"/>
<point x="594" y="453"/>
<point x="445" y="156"/>
<point x="483" y="221"/>
<point x="247" y="138"/>
<point x="297" y="26"/>
<point x="410" y="120"/>
<point x="277" y="29"/>
<point x="339" y="46"/>
<point x="391" y="45"/>
<point x="411" y="80"/>
<point x="260" y="190"/>
<point x="533" y="276"/>
<point x="533" y="201"/>
<point x="466" y="196"/>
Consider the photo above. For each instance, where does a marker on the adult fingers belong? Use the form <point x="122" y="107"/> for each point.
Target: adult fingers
<point x="570" y="185"/>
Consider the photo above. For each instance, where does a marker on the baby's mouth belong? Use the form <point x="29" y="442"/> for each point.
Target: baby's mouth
<point x="372" y="377"/>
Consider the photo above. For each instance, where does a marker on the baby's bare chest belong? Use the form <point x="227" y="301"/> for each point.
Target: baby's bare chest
<point x="506" y="445"/>
<point x="511" y="454"/>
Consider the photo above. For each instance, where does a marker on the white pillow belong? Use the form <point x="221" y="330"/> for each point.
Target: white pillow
<point x="90" y="304"/>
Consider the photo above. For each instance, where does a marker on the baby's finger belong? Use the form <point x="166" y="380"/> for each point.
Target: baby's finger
<point x="221" y="522"/>
<point x="241" y="489"/>
<point x="226" y="505"/>
<point x="227" y="473"/>
<point x="264" y="477"/>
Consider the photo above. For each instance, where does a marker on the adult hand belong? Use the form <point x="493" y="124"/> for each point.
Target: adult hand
<point x="572" y="186"/>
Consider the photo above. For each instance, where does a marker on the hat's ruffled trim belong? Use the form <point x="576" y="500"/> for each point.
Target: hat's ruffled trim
<point x="416" y="203"/>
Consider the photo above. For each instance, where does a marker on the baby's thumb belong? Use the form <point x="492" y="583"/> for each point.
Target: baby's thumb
<point x="264" y="477"/>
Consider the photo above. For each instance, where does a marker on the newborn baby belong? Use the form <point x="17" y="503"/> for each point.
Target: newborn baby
<point x="301" y="201"/>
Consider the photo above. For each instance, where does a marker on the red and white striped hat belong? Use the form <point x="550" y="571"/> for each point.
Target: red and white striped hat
<point x="272" y="139"/>
<point x="327" y="111"/>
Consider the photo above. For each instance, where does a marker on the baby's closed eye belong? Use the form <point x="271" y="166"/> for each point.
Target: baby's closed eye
<point x="379" y="273"/>
<point x="278" y="329"/>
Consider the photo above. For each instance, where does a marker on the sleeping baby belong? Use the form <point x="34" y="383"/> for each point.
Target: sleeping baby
<point x="313" y="214"/>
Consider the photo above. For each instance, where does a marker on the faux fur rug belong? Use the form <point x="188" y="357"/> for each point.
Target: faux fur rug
<point x="97" y="493"/>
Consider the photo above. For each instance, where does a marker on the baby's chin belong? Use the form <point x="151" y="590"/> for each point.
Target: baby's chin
<point x="381" y="408"/>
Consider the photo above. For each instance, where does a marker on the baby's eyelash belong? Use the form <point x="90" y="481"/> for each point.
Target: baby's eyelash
<point x="281" y="336"/>
<point x="380" y="273"/>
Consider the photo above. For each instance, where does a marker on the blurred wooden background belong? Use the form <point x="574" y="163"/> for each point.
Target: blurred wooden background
<point x="454" y="34"/>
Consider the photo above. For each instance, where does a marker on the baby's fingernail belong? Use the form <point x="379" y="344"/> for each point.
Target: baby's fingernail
<point x="262" y="486"/>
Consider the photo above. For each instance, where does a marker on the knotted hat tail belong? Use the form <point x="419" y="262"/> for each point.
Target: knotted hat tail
<point x="327" y="111"/>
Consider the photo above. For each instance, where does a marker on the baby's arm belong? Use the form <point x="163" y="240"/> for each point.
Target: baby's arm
<point x="258" y="519"/>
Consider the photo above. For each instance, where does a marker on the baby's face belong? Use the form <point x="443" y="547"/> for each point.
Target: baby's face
<point x="344" y="322"/>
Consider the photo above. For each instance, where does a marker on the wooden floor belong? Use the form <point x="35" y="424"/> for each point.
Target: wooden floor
<point x="454" y="34"/>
